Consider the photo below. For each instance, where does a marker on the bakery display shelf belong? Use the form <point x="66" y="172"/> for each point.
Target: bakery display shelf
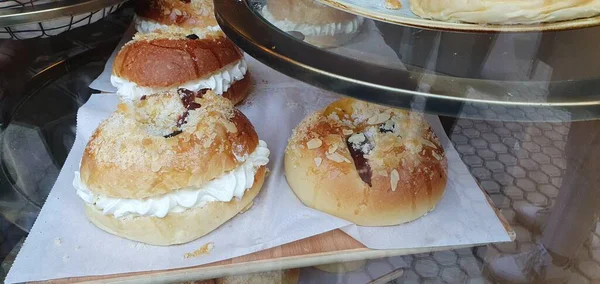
<point x="52" y="10"/>
<point x="331" y="247"/>
<point x="434" y="91"/>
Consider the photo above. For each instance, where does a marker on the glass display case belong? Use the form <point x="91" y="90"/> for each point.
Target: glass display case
<point x="503" y="190"/>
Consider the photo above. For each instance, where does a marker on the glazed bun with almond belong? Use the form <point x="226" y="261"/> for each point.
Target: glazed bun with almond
<point x="171" y="168"/>
<point x="158" y="62"/>
<point x="176" y="16"/>
<point x="321" y="25"/>
<point x="505" y="11"/>
<point x="369" y="164"/>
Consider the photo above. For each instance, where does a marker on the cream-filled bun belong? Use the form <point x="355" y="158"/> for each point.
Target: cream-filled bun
<point x="321" y="26"/>
<point x="176" y="16"/>
<point x="505" y="11"/>
<point x="171" y="168"/>
<point x="369" y="164"/>
<point x="158" y="62"/>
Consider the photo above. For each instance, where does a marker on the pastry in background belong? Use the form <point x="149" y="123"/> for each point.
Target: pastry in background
<point x="369" y="164"/>
<point x="289" y="276"/>
<point x="176" y="16"/>
<point x="321" y="25"/>
<point x="505" y="11"/>
<point x="171" y="167"/>
<point x="393" y="4"/>
<point x="157" y="62"/>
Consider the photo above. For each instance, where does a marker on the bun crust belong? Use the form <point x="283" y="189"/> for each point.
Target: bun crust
<point x="289" y="276"/>
<point x="407" y="166"/>
<point x="239" y="90"/>
<point x="504" y="11"/>
<point x="131" y="156"/>
<point x="176" y="228"/>
<point x="306" y="11"/>
<point x="167" y="62"/>
<point x="194" y="14"/>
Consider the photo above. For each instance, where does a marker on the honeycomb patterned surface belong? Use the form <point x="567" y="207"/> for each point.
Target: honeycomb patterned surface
<point x="517" y="164"/>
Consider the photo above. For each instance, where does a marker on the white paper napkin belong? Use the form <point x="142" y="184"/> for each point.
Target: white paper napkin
<point x="63" y="243"/>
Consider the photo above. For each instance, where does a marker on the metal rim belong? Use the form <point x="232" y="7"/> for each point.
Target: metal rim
<point x="370" y="82"/>
<point x="462" y="27"/>
<point x="44" y="12"/>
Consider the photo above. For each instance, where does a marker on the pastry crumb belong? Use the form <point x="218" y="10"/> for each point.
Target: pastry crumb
<point x="57" y="241"/>
<point x="393" y="4"/>
<point x="205" y="249"/>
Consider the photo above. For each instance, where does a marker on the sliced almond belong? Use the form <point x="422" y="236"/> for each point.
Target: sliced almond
<point x="230" y="126"/>
<point x="314" y="143"/>
<point x="388" y="125"/>
<point x="428" y="143"/>
<point x="383" y="117"/>
<point x="394" y="178"/>
<point x="347" y="131"/>
<point x="436" y="155"/>
<point x="357" y="138"/>
<point x="332" y="148"/>
<point x="177" y="12"/>
<point x="318" y="161"/>
<point x="373" y="119"/>
<point x="336" y="157"/>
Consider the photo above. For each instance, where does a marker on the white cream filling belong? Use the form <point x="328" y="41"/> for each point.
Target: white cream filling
<point x="331" y="29"/>
<point x="144" y="25"/>
<point x="224" y="188"/>
<point x="219" y="82"/>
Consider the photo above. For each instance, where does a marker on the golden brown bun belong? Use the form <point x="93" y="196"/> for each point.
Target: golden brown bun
<point x="193" y="14"/>
<point x="306" y="11"/>
<point x="239" y="90"/>
<point x="342" y="267"/>
<point x="408" y="166"/>
<point x="129" y="157"/>
<point x="289" y="276"/>
<point x="175" y="228"/>
<point x="504" y="11"/>
<point x="159" y="61"/>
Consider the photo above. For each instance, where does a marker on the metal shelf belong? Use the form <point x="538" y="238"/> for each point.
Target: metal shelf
<point x="44" y="12"/>
<point x="427" y="90"/>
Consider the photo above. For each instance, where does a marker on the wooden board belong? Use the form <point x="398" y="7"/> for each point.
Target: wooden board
<point x="331" y="247"/>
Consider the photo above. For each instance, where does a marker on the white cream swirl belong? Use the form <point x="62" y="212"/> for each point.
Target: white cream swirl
<point x="144" y="25"/>
<point x="331" y="29"/>
<point x="224" y="188"/>
<point x="219" y="82"/>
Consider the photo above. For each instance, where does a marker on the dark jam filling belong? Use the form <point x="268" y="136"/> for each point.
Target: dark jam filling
<point x="186" y="1"/>
<point x="192" y="36"/>
<point x="361" y="163"/>
<point x="188" y="98"/>
<point x="175" y="133"/>
<point x="143" y="98"/>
